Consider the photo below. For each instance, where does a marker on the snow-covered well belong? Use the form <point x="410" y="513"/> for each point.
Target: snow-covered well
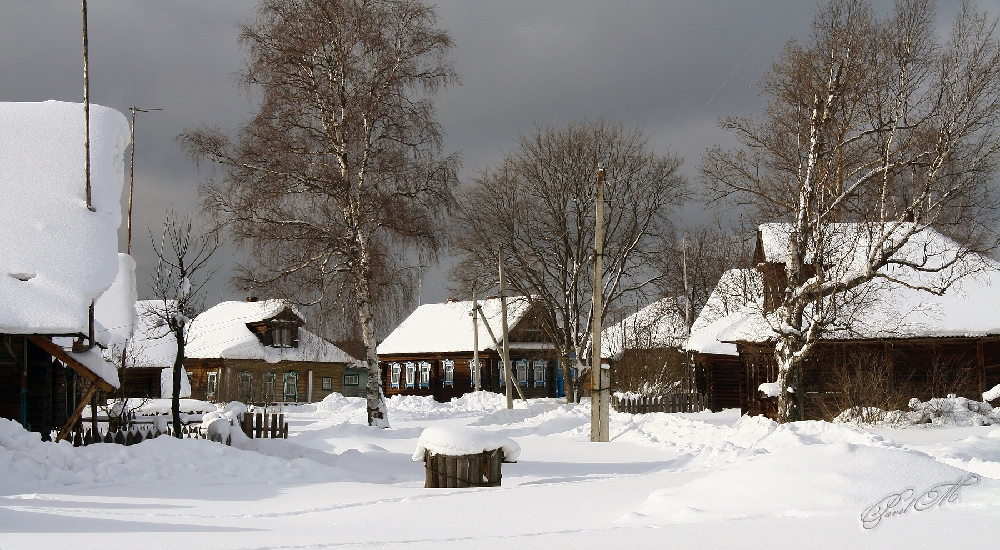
<point x="458" y="441"/>
<point x="56" y="256"/>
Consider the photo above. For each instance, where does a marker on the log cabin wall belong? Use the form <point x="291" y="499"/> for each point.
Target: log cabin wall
<point x="254" y="385"/>
<point x="926" y="368"/>
<point x="46" y="385"/>
<point x="463" y="375"/>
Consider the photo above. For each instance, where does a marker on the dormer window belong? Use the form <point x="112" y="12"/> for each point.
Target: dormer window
<point x="283" y="336"/>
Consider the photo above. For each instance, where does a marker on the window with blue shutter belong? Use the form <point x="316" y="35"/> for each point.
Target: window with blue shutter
<point x="522" y="371"/>
<point x="539" y="373"/>
<point x="411" y="374"/>
<point x="395" y="369"/>
<point x="449" y="372"/>
<point x="425" y="374"/>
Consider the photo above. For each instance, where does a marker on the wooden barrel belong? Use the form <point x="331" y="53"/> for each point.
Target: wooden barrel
<point x="476" y="470"/>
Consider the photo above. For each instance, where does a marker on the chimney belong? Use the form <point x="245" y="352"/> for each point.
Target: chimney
<point x="251" y="298"/>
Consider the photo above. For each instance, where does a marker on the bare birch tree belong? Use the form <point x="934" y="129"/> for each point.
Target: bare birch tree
<point x="182" y="270"/>
<point x="341" y="170"/>
<point x="538" y="203"/>
<point x="877" y="121"/>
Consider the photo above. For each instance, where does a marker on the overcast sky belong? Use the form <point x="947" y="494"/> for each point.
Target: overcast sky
<point x="671" y="67"/>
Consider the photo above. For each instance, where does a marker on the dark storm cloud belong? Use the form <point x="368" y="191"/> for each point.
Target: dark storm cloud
<point x="654" y="64"/>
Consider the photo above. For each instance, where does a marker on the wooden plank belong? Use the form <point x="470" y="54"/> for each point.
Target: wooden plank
<point x="428" y="470"/>
<point x="76" y="414"/>
<point x="462" y="472"/>
<point x="258" y="425"/>
<point x="59" y="353"/>
<point x="451" y="471"/>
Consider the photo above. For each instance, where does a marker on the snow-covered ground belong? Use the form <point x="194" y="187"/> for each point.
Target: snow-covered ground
<point x="665" y="480"/>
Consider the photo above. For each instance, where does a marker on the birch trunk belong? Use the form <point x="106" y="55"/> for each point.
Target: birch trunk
<point x="377" y="414"/>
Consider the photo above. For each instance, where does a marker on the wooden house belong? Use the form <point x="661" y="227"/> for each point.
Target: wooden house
<point x="937" y="344"/>
<point x="646" y="350"/>
<point x="258" y="352"/>
<point x="431" y="352"/>
<point x="717" y="364"/>
<point x="57" y="258"/>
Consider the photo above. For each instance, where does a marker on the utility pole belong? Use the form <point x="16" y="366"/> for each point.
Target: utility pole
<point x="131" y="178"/>
<point x="86" y="109"/>
<point x="600" y="380"/>
<point x="90" y="204"/>
<point x="475" y="340"/>
<point x="505" y="353"/>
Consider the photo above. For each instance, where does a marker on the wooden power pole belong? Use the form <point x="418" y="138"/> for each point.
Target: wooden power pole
<point x="86" y="109"/>
<point x="131" y="178"/>
<point x="475" y="341"/>
<point x="505" y="353"/>
<point x="599" y="377"/>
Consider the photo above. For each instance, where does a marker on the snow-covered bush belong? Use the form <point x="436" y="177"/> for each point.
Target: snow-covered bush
<point x="939" y="411"/>
<point x="953" y="411"/>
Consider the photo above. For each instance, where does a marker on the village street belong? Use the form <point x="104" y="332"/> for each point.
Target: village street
<point x="725" y="484"/>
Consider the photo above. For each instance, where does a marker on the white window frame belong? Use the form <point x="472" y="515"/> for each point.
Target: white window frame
<point x="326" y="383"/>
<point x="521" y="369"/>
<point x="293" y="378"/>
<point x="244" y="385"/>
<point x="503" y="374"/>
<point x="212" y="384"/>
<point x="425" y="374"/>
<point x="394" y="369"/>
<point x="268" y="381"/>
<point x="352" y="379"/>
<point x="411" y="374"/>
<point x="448" y="365"/>
<point x="538" y="374"/>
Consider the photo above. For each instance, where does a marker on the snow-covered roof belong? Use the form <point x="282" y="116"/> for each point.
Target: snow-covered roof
<point x="738" y="293"/>
<point x="892" y="308"/>
<point x="114" y="311"/>
<point x="56" y="256"/>
<point x="658" y="325"/>
<point x="221" y="332"/>
<point x="447" y="327"/>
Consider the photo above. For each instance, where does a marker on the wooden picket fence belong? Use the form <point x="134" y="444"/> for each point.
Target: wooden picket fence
<point x="254" y="425"/>
<point x="258" y="425"/>
<point x="132" y="436"/>
<point x="669" y="403"/>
